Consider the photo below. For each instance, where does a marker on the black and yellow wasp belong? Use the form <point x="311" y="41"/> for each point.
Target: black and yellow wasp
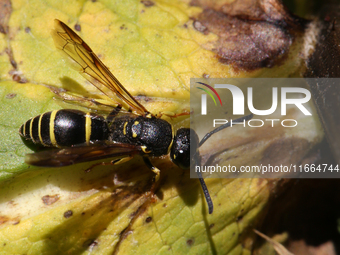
<point x="86" y="136"/>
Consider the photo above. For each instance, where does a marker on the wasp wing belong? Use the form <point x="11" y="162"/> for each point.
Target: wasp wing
<point x="78" y="154"/>
<point x="89" y="65"/>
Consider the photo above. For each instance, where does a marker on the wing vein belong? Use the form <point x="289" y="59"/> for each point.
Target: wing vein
<point x="92" y="68"/>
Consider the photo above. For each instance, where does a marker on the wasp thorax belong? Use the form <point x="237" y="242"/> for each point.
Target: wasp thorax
<point x="154" y="135"/>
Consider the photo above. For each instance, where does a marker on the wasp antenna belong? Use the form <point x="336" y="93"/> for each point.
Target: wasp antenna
<point x="207" y="136"/>
<point x="206" y="193"/>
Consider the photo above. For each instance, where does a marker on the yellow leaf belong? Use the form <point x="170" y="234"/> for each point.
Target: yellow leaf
<point x="153" y="48"/>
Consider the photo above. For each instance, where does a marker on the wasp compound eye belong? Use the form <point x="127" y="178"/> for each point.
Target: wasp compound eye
<point x="180" y="150"/>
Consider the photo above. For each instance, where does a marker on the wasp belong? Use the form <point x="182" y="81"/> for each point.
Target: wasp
<point x="80" y="136"/>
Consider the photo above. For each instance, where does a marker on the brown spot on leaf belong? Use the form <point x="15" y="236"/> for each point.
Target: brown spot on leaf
<point x="77" y="27"/>
<point x="190" y="242"/>
<point x="14" y="63"/>
<point x="272" y="11"/>
<point x="144" y="98"/>
<point x="12" y="203"/>
<point x="18" y="78"/>
<point x="5" y="13"/>
<point x="11" y="95"/>
<point x="11" y="58"/>
<point x="50" y="199"/>
<point x="247" y="44"/>
<point x="148" y="219"/>
<point x="3" y="219"/>
<point x="123" y="27"/>
<point x="68" y="214"/>
<point x="6" y="219"/>
<point x="27" y="29"/>
<point x="252" y="34"/>
<point x="147" y="3"/>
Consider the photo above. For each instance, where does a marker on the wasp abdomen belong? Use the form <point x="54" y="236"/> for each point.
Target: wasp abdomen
<point x="63" y="128"/>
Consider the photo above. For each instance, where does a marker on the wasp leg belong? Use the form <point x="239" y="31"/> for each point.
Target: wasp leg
<point x="152" y="168"/>
<point x="112" y="162"/>
<point x="114" y="113"/>
<point x="97" y="104"/>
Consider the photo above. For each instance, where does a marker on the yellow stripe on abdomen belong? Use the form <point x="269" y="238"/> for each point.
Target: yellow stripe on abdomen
<point x="88" y="128"/>
<point x="52" y="134"/>
<point x="31" y="130"/>
<point x="39" y="130"/>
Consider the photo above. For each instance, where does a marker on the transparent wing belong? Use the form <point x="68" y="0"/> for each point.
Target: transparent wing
<point x="89" y="65"/>
<point x="78" y="154"/>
